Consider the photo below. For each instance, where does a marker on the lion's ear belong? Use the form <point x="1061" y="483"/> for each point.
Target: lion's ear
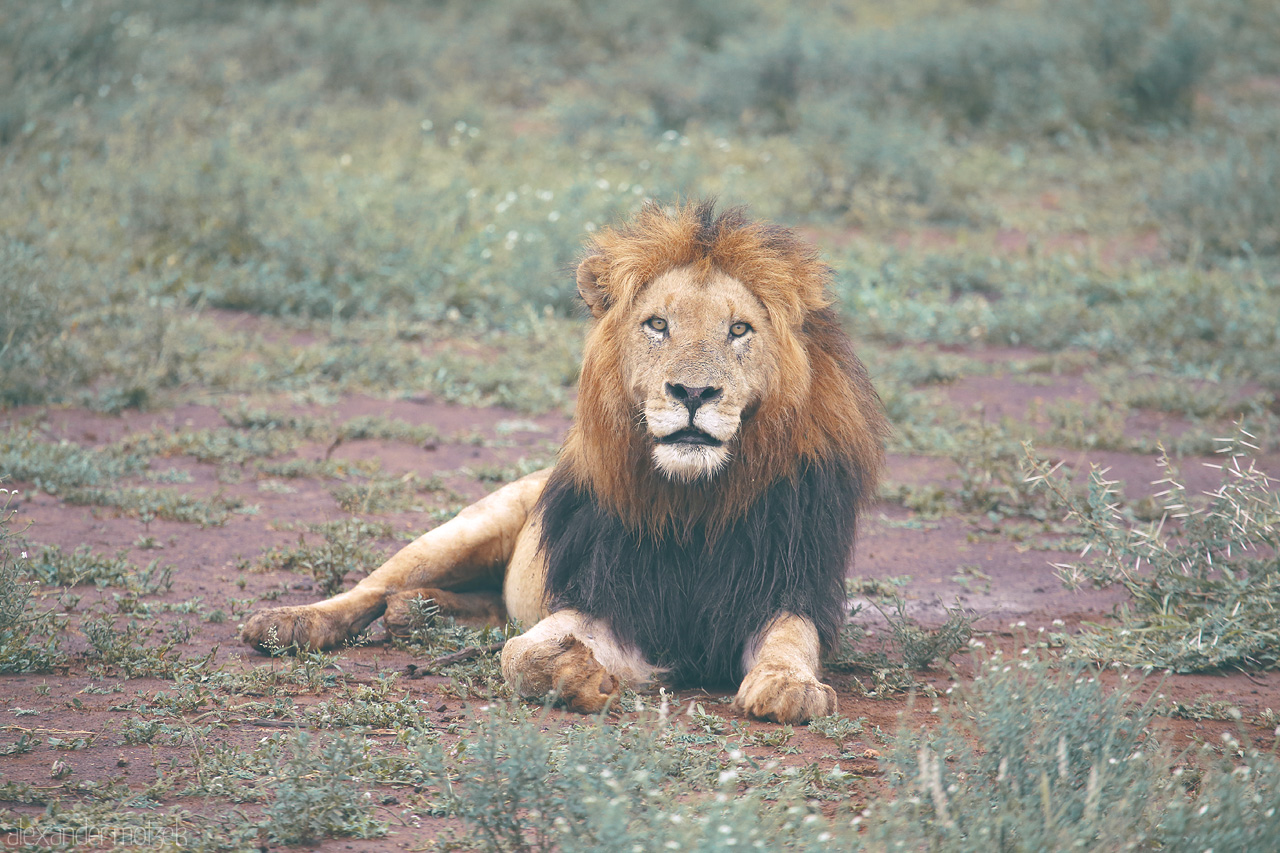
<point x="589" y="286"/>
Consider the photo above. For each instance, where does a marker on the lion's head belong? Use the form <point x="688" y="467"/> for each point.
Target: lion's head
<point x="714" y="367"/>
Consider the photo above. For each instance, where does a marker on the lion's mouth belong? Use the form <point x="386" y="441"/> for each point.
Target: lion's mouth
<point x="690" y="435"/>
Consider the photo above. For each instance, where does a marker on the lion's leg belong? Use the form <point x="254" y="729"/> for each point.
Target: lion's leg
<point x="470" y="550"/>
<point x="576" y="657"/>
<point x="782" y="683"/>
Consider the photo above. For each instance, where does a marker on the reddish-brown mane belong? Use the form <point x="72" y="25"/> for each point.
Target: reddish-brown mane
<point x="823" y="409"/>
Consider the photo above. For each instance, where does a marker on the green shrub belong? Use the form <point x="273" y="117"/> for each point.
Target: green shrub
<point x="321" y="790"/>
<point x="982" y="68"/>
<point x="227" y="445"/>
<point x="123" y="646"/>
<point x="910" y="647"/>
<point x="1026" y="759"/>
<point x="866" y="167"/>
<point x="147" y="504"/>
<point x="989" y="464"/>
<point x="1231" y="205"/>
<point x="1252" y="29"/>
<point x="37" y="358"/>
<point x="1204" y="579"/>
<point x="29" y="638"/>
<point x="1151" y="65"/>
<point x="837" y="727"/>
<point x="1085" y="64"/>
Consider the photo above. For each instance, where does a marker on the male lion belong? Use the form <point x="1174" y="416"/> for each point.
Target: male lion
<point x="700" y="518"/>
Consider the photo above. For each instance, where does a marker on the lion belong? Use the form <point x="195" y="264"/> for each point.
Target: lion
<point x="699" y="520"/>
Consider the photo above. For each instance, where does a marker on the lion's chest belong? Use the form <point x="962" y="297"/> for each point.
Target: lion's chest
<point x="692" y="604"/>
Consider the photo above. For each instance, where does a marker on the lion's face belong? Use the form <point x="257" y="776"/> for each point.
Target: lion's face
<point x="698" y="360"/>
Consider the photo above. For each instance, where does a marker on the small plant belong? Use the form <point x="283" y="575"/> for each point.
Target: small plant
<point x="148" y="504"/>
<point x="1042" y="760"/>
<point x="123" y="645"/>
<point x="38" y="359"/>
<point x="24" y="744"/>
<point x="920" y="647"/>
<point x="326" y="469"/>
<point x="321" y="790"/>
<point x="1204" y="579"/>
<point x="892" y="681"/>
<point x="387" y="429"/>
<point x="228" y="446"/>
<point x="911" y="646"/>
<point x="1093" y="426"/>
<point x="991" y="480"/>
<point x="499" y="474"/>
<point x="139" y="730"/>
<point x="398" y="494"/>
<point x="837" y="727"/>
<point x="1029" y="758"/>
<point x="436" y="637"/>
<point x="313" y="670"/>
<point x="423" y="613"/>
<point x="775" y="738"/>
<point x="29" y="638"/>
<point x="346" y="546"/>
<point x="372" y="707"/>
<point x="1203" y="707"/>
<point x="53" y="565"/>
<point x="712" y="724"/>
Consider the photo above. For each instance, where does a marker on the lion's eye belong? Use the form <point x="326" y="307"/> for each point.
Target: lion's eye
<point x="657" y="324"/>
<point x="739" y="329"/>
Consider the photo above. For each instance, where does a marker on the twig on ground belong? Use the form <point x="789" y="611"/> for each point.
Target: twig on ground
<point x="415" y="671"/>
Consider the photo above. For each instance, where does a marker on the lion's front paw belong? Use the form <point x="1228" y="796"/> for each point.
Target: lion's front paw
<point x="784" y="696"/>
<point x="565" y="667"/>
<point x="283" y="629"/>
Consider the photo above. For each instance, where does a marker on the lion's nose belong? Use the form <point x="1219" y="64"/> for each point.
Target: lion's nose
<point x="693" y="396"/>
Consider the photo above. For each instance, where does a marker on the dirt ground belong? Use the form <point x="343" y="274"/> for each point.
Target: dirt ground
<point x="1010" y="585"/>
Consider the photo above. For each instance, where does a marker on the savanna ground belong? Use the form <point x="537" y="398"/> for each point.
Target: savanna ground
<point x="284" y="284"/>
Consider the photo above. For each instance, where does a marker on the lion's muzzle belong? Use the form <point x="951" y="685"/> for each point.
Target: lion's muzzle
<point x="691" y="432"/>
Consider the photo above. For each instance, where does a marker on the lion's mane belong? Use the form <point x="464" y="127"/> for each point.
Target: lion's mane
<point x="690" y="572"/>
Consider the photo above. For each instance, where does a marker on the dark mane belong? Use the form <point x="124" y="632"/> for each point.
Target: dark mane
<point x="689" y="603"/>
